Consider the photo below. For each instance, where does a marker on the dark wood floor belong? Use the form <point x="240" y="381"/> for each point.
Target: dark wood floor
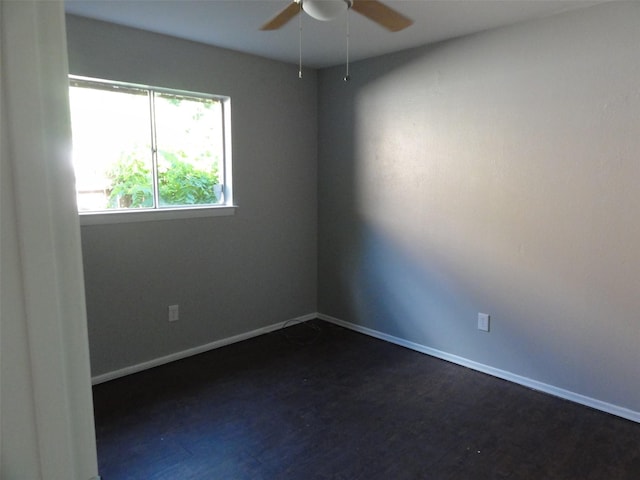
<point x="333" y="404"/>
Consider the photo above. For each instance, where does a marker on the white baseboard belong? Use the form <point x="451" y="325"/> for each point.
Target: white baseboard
<point x="505" y="375"/>
<point x="196" y="350"/>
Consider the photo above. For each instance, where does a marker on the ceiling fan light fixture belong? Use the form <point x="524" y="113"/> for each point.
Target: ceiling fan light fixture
<point x="325" y="10"/>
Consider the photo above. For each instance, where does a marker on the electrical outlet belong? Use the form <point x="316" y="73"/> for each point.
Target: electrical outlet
<point x="483" y="322"/>
<point x="174" y="313"/>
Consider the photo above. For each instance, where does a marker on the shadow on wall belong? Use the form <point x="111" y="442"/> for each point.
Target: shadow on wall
<point x="484" y="175"/>
<point x="400" y="295"/>
<point x="430" y="302"/>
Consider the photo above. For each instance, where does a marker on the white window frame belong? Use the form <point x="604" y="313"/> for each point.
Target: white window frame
<point x="179" y="212"/>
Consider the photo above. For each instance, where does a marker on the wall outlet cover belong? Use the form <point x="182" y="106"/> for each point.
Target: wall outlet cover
<point x="483" y="322"/>
<point x="174" y="313"/>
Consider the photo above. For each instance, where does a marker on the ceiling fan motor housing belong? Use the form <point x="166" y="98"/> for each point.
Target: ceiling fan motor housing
<point x="325" y="9"/>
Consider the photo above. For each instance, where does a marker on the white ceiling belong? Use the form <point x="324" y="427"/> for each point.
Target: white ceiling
<point x="236" y="24"/>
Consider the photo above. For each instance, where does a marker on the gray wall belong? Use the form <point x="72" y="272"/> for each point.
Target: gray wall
<point x="495" y="173"/>
<point x="230" y="275"/>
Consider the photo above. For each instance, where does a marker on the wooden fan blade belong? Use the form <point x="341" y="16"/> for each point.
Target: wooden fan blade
<point x="283" y="17"/>
<point x="381" y="14"/>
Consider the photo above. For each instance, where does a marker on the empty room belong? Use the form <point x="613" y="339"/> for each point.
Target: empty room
<point x="406" y="246"/>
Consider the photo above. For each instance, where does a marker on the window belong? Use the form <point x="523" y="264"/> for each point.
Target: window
<point x="138" y="148"/>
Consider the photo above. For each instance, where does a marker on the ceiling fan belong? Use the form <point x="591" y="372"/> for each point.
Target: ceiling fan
<point x="329" y="9"/>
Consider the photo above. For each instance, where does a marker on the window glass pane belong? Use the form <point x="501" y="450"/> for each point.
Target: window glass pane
<point x="190" y="149"/>
<point x="111" y="147"/>
<point x="136" y="147"/>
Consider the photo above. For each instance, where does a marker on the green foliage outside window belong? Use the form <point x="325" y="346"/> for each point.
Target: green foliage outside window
<point x="179" y="182"/>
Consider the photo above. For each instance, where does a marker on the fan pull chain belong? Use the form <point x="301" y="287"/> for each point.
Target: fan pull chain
<point x="300" y="43"/>
<point x="347" y="77"/>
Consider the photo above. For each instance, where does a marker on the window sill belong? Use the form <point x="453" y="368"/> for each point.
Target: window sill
<point x="154" y="215"/>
